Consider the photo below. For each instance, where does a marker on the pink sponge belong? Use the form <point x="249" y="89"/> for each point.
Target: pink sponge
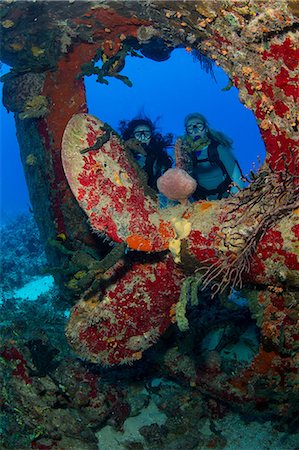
<point x="176" y="184"/>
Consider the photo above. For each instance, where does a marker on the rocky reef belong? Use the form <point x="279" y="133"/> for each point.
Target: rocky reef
<point x="133" y="271"/>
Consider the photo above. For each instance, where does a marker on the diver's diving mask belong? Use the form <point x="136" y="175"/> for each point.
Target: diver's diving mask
<point x="195" y="129"/>
<point x="143" y="134"/>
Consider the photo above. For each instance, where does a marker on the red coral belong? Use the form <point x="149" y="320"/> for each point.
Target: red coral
<point x="278" y="145"/>
<point x="249" y="87"/>
<point x="132" y="315"/>
<point x="280" y="108"/>
<point x="288" y="84"/>
<point x="202" y="247"/>
<point x="236" y="81"/>
<point x="267" y="90"/>
<point x="295" y="230"/>
<point x="272" y="243"/>
<point x="12" y="354"/>
<point x="286" y="51"/>
<point x="105" y="224"/>
<point x="259" y="112"/>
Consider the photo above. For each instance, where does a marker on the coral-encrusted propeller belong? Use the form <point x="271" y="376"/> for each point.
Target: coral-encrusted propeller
<point x="129" y="315"/>
<point x="106" y="186"/>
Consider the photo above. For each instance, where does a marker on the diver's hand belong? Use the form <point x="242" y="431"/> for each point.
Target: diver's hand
<point x="135" y="146"/>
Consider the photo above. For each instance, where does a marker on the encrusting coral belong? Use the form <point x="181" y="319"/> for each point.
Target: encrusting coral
<point x="35" y="108"/>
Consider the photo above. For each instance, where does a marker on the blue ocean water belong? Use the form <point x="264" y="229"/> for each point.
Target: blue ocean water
<point x="14" y="197"/>
<point x="167" y="91"/>
<point x="170" y="90"/>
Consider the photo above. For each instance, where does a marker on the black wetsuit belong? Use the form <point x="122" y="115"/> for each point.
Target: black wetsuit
<point x="155" y="163"/>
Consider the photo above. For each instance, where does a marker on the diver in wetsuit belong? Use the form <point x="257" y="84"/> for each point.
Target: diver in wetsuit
<point x="148" y="147"/>
<point x="207" y="156"/>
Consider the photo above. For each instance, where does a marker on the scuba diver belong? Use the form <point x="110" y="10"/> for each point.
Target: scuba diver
<point x="148" y="147"/>
<point x="206" y="155"/>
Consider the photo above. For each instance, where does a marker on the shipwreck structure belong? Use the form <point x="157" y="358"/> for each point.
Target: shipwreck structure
<point x="83" y="185"/>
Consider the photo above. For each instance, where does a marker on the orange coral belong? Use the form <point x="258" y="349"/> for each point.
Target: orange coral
<point x="136" y="242"/>
<point x="166" y="232"/>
